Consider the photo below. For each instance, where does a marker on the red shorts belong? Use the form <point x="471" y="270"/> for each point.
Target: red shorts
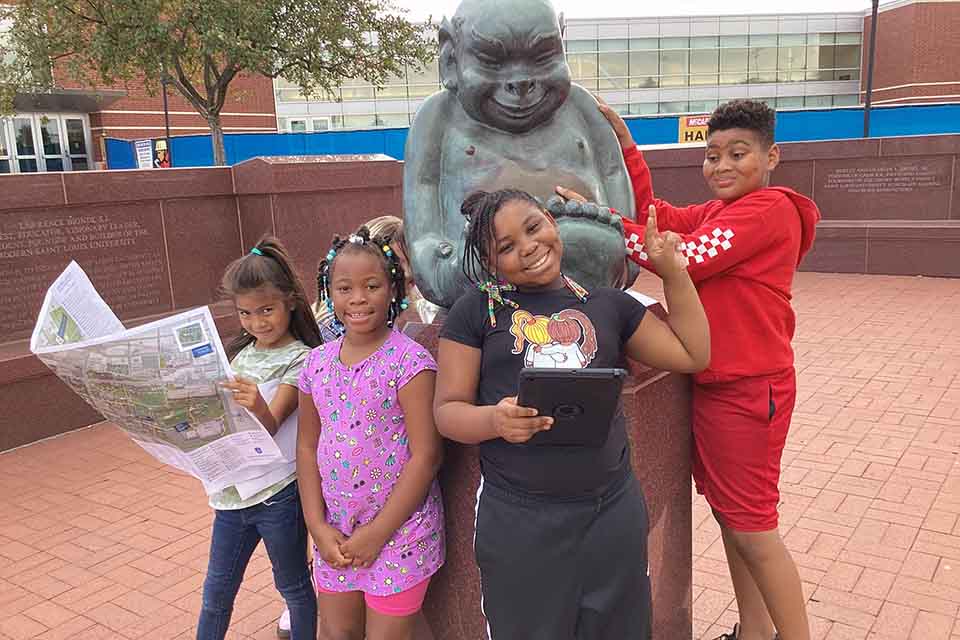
<point x="739" y="430"/>
<point x="405" y="603"/>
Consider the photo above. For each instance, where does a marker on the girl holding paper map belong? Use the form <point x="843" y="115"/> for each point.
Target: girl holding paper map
<point x="278" y="333"/>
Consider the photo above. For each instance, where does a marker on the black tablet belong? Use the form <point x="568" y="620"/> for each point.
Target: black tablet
<point x="582" y="403"/>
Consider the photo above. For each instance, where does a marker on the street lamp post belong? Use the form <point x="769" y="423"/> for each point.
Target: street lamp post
<point x="166" y="120"/>
<point x="873" y="47"/>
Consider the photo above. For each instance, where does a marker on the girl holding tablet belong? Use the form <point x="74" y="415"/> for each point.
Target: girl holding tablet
<point x="561" y="530"/>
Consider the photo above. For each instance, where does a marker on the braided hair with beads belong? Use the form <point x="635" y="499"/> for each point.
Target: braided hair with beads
<point x="480" y="208"/>
<point x="378" y="246"/>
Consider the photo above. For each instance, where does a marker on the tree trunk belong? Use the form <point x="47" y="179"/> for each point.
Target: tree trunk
<point x="216" y="138"/>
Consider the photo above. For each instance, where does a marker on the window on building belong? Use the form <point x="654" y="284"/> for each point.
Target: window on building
<point x="393" y="120"/>
<point x="584" y="67"/>
<point x="644" y="69"/>
<point x="424" y="82"/>
<point x="792" y="58"/>
<point x="581" y="46"/>
<point x="820" y="56"/>
<point x="321" y="124"/>
<point x="847" y="62"/>
<point x="674" y="62"/>
<point x="733" y="66"/>
<point x="817" y="102"/>
<point x="846" y="100"/>
<point x="790" y="102"/>
<point x="643" y="108"/>
<point x="6" y="53"/>
<point x="613" y="65"/>
<point x="704" y="66"/>
<point x="394" y="87"/>
<point x="4" y="150"/>
<point x="762" y="58"/>
<point x="678" y="106"/>
<point x="702" y="106"/>
<point x="297" y="125"/>
<point x="355" y="89"/>
<point x="360" y="121"/>
<point x="286" y="91"/>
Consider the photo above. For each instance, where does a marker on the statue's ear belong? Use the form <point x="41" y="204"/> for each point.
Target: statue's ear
<point x="448" y="54"/>
<point x="563" y="24"/>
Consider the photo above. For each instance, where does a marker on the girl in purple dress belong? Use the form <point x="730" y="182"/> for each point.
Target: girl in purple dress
<point x="371" y="499"/>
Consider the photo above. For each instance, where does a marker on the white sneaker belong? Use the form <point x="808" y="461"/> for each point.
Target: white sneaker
<point x="283" y="624"/>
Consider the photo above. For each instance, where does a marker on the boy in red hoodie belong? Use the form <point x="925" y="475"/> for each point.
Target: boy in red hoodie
<point x="742" y="249"/>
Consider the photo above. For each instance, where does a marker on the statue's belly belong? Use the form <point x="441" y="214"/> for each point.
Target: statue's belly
<point x="539" y="182"/>
<point x="468" y="167"/>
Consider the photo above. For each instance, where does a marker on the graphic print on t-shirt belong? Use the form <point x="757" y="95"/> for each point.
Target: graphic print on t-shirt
<point x="565" y="340"/>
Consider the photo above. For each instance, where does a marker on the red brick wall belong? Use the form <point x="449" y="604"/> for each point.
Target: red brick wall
<point x="250" y="106"/>
<point x="917" y="44"/>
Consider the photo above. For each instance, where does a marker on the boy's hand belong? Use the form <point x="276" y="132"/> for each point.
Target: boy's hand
<point x="329" y="542"/>
<point x="363" y="547"/>
<point x="570" y="194"/>
<point x="664" y="250"/>
<point x="518" y="424"/>
<point x="246" y="394"/>
<point x="619" y="126"/>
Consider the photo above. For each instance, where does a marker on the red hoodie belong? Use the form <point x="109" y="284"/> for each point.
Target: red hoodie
<point x="742" y="257"/>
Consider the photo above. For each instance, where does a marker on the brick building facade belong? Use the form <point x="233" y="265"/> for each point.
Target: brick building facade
<point x="918" y="45"/>
<point x="250" y="107"/>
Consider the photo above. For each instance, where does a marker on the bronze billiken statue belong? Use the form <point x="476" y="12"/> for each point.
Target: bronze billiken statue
<point x="508" y="116"/>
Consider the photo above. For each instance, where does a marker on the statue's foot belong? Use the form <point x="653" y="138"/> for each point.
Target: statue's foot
<point x="593" y="248"/>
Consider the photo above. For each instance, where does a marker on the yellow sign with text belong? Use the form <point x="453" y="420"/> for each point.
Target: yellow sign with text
<point x="693" y="129"/>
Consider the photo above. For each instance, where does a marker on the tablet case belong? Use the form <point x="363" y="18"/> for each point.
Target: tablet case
<point x="582" y="402"/>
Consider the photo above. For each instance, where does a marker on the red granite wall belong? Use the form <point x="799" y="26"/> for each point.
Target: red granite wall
<point x="890" y="205"/>
<point x="154" y="242"/>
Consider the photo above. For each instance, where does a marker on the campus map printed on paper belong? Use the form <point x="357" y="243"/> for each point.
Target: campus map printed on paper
<point x="158" y="382"/>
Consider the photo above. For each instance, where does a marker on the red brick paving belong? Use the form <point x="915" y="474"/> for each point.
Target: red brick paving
<point x="99" y="541"/>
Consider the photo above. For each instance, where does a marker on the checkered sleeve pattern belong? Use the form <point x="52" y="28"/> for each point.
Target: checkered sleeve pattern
<point x="705" y="246"/>
<point x="634" y="247"/>
<point x="697" y="250"/>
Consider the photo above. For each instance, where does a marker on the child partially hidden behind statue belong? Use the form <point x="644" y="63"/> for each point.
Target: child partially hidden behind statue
<point x="420" y="309"/>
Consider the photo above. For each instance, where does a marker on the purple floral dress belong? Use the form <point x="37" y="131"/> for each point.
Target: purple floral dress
<point x="361" y="452"/>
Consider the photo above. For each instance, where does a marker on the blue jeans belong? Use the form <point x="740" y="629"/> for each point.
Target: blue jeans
<point x="236" y="533"/>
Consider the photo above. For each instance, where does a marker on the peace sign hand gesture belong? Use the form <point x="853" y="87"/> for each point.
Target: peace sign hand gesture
<point x="664" y="250"/>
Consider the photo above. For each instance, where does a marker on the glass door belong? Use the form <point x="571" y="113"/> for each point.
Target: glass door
<point x="4" y="149"/>
<point x="77" y="144"/>
<point x="26" y="145"/>
<point x="50" y="138"/>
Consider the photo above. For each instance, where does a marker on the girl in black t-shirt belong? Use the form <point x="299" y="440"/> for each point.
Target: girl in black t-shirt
<point x="561" y="531"/>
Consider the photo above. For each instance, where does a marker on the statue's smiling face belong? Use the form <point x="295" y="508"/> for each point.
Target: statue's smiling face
<point x="512" y="74"/>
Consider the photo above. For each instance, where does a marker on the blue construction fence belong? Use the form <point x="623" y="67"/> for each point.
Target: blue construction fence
<point x="792" y="126"/>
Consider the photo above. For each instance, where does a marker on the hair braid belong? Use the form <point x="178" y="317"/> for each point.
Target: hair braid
<point x="480" y="208"/>
<point x="379" y="246"/>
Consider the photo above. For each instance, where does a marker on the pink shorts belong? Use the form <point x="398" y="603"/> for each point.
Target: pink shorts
<point x="405" y="603"/>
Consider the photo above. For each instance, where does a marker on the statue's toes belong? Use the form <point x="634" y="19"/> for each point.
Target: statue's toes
<point x="589" y="210"/>
<point x="573" y="209"/>
<point x="616" y="222"/>
<point x="556" y="205"/>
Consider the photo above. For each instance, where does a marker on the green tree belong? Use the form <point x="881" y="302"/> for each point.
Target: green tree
<point x="200" y="46"/>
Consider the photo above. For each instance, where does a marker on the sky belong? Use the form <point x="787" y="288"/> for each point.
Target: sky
<point x="421" y="9"/>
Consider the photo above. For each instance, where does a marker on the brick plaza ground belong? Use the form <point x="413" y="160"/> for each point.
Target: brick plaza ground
<point x="99" y="541"/>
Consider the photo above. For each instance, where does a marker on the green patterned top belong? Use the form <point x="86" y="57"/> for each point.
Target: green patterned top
<point x="260" y="366"/>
